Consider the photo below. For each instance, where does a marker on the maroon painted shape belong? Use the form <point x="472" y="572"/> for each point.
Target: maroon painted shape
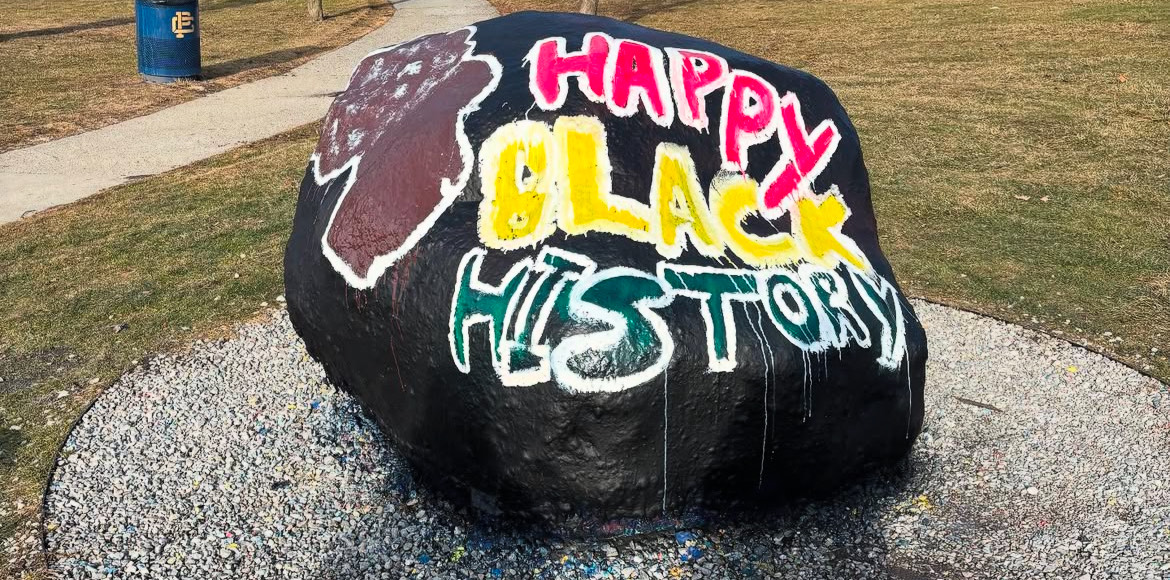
<point x="399" y="114"/>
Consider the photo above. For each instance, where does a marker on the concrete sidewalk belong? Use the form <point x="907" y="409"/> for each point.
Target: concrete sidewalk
<point x="71" y="168"/>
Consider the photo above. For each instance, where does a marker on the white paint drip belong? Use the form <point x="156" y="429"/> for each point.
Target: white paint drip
<point x="806" y="358"/>
<point x="909" y="387"/>
<point x="765" y="349"/>
<point x="665" y="429"/>
<point x="909" y="390"/>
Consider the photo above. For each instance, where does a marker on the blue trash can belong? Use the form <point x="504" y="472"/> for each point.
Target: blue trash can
<point x="168" y="39"/>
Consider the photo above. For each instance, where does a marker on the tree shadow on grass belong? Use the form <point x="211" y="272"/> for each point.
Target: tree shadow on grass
<point x="644" y="9"/>
<point x="238" y="3"/>
<point x="23" y="370"/>
<point x="230" y="4"/>
<point x="10" y="442"/>
<point x="356" y="9"/>
<point x="22" y="375"/>
<point x="109" y="22"/>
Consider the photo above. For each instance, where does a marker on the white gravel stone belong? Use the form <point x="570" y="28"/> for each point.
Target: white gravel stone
<point x="238" y="460"/>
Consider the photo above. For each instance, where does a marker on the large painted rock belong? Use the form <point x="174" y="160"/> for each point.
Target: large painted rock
<point x="573" y="264"/>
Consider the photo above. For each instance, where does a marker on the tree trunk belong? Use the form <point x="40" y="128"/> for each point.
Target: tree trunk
<point x="589" y="7"/>
<point x="316" y="11"/>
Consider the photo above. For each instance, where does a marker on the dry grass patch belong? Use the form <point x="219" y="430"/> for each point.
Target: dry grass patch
<point x="1018" y="149"/>
<point x="70" y="67"/>
<point x="89" y="289"/>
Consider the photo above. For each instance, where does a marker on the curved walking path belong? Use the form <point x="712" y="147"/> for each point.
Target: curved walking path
<point x="1038" y="460"/>
<point x="68" y="169"/>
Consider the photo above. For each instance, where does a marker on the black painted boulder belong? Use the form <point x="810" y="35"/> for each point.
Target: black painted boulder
<point x="573" y="264"/>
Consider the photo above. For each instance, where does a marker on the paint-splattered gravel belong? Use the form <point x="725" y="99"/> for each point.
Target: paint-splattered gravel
<point x="237" y="460"/>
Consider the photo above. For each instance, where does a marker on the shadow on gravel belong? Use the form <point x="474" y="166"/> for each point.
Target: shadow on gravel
<point x="843" y="536"/>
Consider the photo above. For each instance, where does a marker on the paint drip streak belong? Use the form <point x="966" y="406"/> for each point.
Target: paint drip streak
<point x="909" y="391"/>
<point x="806" y="379"/>
<point x="665" y="430"/>
<point x="765" y="348"/>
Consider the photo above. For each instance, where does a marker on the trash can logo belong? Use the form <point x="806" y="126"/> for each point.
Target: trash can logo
<point x="182" y="23"/>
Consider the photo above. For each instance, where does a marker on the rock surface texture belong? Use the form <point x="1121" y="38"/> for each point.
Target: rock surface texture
<point x="577" y="265"/>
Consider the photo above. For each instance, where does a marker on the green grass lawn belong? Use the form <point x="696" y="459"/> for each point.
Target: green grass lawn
<point x="1019" y="151"/>
<point x="67" y="67"/>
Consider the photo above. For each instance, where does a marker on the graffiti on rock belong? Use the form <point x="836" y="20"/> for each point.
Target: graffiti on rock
<point x="809" y="305"/>
<point x="539" y="178"/>
<point x="426" y="87"/>
<point x="577" y="265"/>
<point x="625" y="74"/>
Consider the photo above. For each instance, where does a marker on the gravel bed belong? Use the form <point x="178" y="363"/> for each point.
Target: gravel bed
<point x="238" y="460"/>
